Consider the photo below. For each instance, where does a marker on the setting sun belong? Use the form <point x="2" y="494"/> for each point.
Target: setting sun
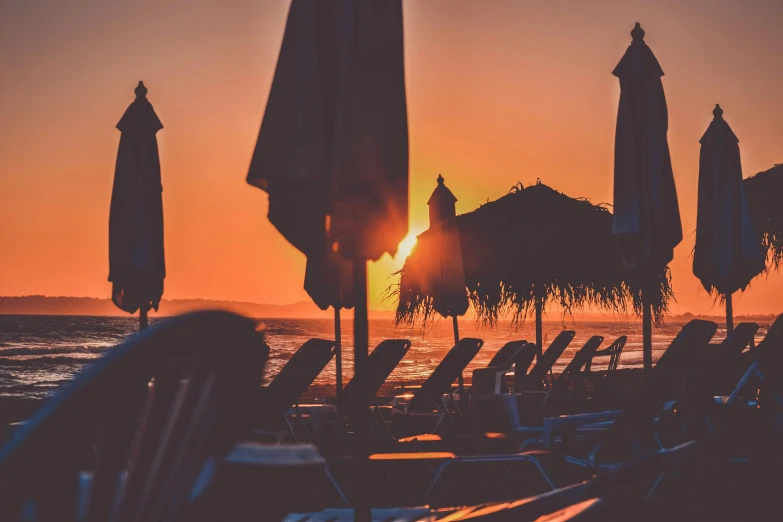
<point x="405" y="246"/>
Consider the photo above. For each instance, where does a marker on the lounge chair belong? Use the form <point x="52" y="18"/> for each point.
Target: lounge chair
<point x="507" y="354"/>
<point x="502" y="410"/>
<point x="204" y="368"/>
<point x="380" y="364"/>
<point x="568" y="393"/>
<point x="727" y="361"/>
<point x="611" y="493"/>
<point x="687" y="351"/>
<point x="613" y="351"/>
<point x="518" y="355"/>
<point x="535" y="379"/>
<point x="631" y="430"/>
<point x="602" y="380"/>
<point x="487" y="385"/>
<point x="765" y="374"/>
<point x="581" y="359"/>
<point x="276" y="400"/>
<point x="428" y="400"/>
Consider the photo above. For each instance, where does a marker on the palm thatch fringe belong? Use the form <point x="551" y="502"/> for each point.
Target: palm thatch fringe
<point x="535" y="241"/>
<point x="764" y="193"/>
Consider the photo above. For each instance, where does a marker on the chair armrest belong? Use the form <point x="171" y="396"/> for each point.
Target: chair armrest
<point x="552" y="425"/>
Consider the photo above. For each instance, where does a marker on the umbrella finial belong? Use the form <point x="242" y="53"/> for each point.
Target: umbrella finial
<point x="637" y="33"/>
<point x="440" y="179"/>
<point x="141" y="91"/>
<point x="717" y="112"/>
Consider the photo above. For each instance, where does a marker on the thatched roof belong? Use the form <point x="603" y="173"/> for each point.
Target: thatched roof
<point x="763" y="193"/>
<point x="538" y="241"/>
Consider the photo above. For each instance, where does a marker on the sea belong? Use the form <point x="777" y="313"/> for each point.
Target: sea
<point x="38" y="354"/>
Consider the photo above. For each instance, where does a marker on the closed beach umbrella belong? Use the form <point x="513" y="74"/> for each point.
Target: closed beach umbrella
<point x="646" y="221"/>
<point x="332" y="152"/>
<point x="728" y="252"/>
<point x="439" y="267"/>
<point x="136" y="261"/>
<point x="329" y="282"/>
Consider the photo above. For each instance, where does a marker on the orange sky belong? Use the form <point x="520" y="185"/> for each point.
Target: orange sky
<point x="498" y="92"/>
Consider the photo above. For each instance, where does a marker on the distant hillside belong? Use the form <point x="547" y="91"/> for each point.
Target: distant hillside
<point x="43" y="305"/>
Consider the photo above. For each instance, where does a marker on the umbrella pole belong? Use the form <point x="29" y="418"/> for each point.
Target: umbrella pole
<point x="539" y="327"/>
<point x="456" y="340"/>
<point x="362" y="511"/>
<point x="729" y="315"/>
<point x="647" y="334"/>
<point x="143" y="319"/>
<point x="338" y="353"/>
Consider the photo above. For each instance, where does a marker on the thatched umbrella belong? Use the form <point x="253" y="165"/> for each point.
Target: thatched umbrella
<point x="332" y="151"/>
<point x="136" y="260"/>
<point x="763" y="192"/>
<point x="532" y="247"/>
<point x="328" y="282"/>
<point x="646" y="213"/>
<point x="728" y="251"/>
<point x="439" y="271"/>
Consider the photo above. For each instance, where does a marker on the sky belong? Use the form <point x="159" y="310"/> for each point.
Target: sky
<point x="499" y="92"/>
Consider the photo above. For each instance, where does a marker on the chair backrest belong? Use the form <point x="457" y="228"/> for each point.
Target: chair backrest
<point x="522" y="361"/>
<point x="380" y="363"/>
<point x="536" y="376"/>
<point x="616" y="351"/>
<point x="444" y="375"/>
<point x="580" y="359"/>
<point x="505" y="356"/>
<point x="685" y="353"/>
<point x="728" y="363"/>
<point x="768" y="375"/>
<point x="298" y="374"/>
<point x="613" y="351"/>
<point x="734" y="343"/>
<point x="204" y="369"/>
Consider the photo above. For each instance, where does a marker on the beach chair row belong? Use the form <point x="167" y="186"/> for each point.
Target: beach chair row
<point x="166" y="409"/>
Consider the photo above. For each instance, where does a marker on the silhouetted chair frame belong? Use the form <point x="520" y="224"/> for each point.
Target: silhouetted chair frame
<point x="627" y="427"/>
<point x="765" y="374"/>
<point x="284" y="392"/>
<point x="509" y="403"/>
<point x="727" y="362"/>
<point x="380" y="364"/>
<point x="516" y="355"/>
<point x="205" y="367"/>
<point x="612" y="491"/>
<point x="433" y="398"/>
<point x="535" y="379"/>
<point x="614" y="351"/>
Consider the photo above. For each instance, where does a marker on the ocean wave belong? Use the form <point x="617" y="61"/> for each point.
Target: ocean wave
<point x="19" y="388"/>
<point x="10" y="352"/>
<point x="44" y="360"/>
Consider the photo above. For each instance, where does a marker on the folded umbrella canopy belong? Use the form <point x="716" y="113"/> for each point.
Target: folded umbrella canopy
<point x="136" y="261"/>
<point x="332" y="152"/>
<point x="729" y="251"/>
<point x="438" y="267"/>
<point x="329" y="282"/>
<point x="646" y="213"/>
